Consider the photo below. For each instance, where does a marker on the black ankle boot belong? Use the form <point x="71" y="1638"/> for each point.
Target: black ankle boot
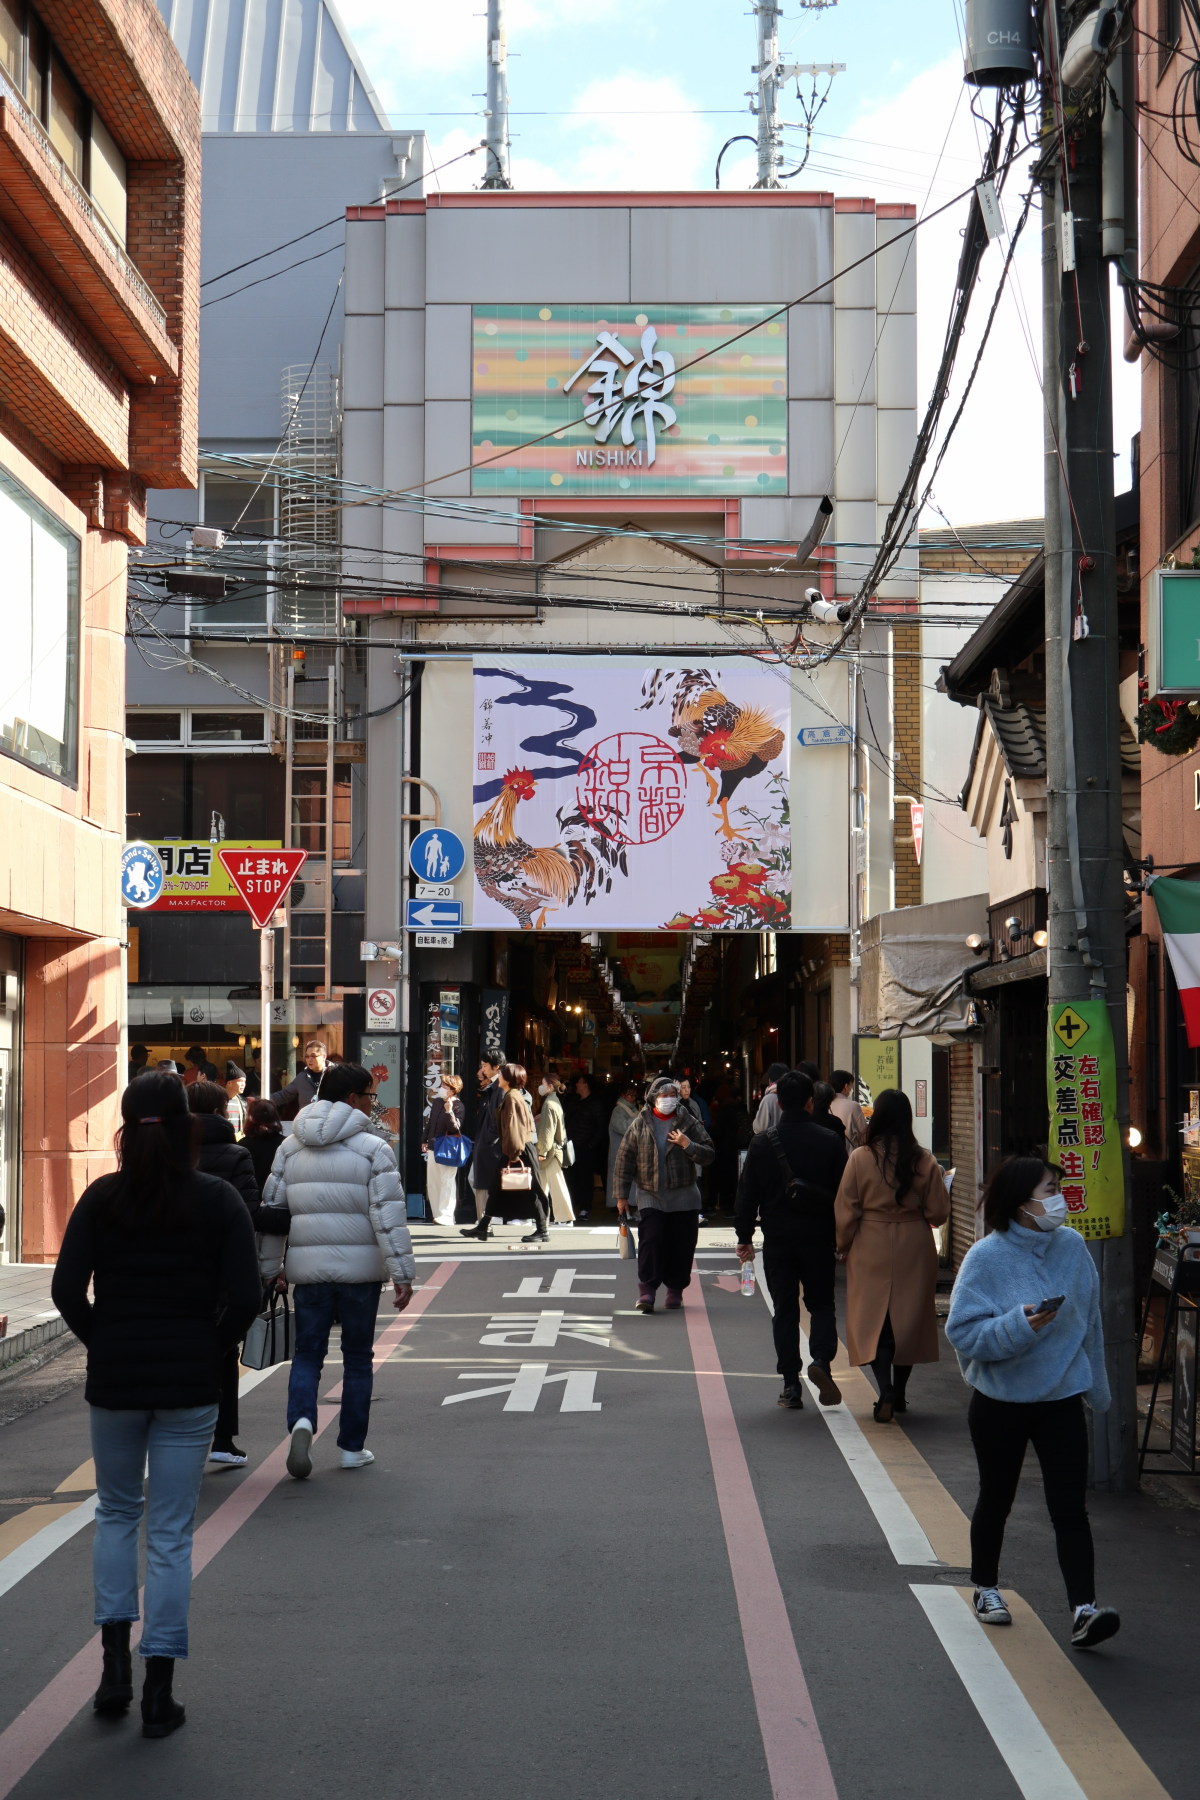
<point x="161" y="1714"/>
<point x="115" y="1693"/>
<point x="479" y="1231"/>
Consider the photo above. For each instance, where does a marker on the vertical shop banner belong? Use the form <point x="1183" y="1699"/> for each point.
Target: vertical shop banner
<point x="876" y="1066"/>
<point x="381" y="1055"/>
<point x="493" y="1025"/>
<point x="1085" y="1138"/>
<point x="613" y="795"/>
<point x="619" y="401"/>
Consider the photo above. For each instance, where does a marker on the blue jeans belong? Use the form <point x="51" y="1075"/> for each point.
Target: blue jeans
<point x="150" y="1461"/>
<point x="317" y="1303"/>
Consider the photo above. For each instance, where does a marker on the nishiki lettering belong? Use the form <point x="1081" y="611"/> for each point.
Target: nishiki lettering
<point x="627" y="388"/>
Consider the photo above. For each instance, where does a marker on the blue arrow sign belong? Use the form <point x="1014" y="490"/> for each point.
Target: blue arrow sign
<point x="437" y="855"/>
<point x="433" y="915"/>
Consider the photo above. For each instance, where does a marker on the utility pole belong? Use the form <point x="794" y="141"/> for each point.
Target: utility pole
<point x="1084" y="842"/>
<point x="496" y="174"/>
<point x="772" y="74"/>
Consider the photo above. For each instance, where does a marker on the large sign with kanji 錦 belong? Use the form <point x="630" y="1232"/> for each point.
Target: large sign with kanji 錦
<point x="194" y="879"/>
<point x="626" y="400"/>
<point x="1085" y="1137"/>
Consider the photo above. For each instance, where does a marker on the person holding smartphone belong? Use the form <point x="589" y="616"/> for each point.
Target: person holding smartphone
<point x="1025" y="1324"/>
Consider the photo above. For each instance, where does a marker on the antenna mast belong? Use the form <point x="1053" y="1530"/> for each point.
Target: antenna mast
<point x="496" y="174"/>
<point x="772" y="74"/>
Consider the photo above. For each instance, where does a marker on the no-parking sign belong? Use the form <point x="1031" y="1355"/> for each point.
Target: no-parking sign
<point x="383" y="1008"/>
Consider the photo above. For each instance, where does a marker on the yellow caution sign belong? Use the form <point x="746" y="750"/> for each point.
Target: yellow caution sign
<point x="1069" y="1027"/>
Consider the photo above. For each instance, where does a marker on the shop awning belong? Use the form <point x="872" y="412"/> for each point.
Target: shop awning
<point x="912" y="976"/>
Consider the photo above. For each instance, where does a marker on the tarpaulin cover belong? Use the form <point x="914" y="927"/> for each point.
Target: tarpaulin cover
<point x="912" y="980"/>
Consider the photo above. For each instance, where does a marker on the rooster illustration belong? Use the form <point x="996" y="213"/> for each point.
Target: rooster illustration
<point x="526" y="881"/>
<point x="717" y="735"/>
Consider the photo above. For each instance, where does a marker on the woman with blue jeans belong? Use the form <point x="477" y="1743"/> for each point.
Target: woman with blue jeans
<point x="170" y="1256"/>
<point x="1025" y="1323"/>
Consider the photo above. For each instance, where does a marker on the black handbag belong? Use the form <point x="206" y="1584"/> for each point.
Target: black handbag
<point x="269" y="1339"/>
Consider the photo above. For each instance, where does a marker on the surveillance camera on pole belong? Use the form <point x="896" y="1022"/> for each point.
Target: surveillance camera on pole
<point x="826" y="612"/>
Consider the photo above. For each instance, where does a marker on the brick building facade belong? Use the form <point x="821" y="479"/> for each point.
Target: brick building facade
<point x="99" y="296"/>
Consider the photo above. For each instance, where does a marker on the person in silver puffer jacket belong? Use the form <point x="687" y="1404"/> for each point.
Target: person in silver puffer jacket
<point x="338" y="1183"/>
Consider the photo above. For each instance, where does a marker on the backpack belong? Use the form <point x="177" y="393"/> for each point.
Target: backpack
<point x="799" y="1196"/>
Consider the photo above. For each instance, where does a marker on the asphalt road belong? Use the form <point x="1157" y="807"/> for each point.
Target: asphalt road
<point x="621" y="1568"/>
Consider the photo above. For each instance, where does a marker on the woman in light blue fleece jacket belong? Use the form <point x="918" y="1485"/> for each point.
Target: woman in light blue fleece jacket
<point x="1031" y="1366"/>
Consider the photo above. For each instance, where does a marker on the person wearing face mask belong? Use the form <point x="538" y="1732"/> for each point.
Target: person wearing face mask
<point x="446" y="1118"/>
<point x="551" y="1147"/>
<point x="1025" y="1324"/>
<point x="658" y="1167"/>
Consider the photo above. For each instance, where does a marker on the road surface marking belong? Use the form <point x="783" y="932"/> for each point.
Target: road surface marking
<point x="895" y="1518"/>
<point x="80" y="1481"/>
<point x="797" y="1765"/>
<point x="27" y="1540"/>
<point x="1015" y="1729"/>
<point x="36" y="1728"/>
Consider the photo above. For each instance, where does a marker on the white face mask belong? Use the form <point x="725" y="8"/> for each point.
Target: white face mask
<point x="544" y="1088"/>
<point x="1054" y="1215"/>
<point x="666" y="1103"/>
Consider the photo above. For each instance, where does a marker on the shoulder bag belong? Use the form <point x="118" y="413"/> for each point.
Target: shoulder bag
<point x="516" y="1177"/>
<point x="269" y="1339"/>
<point x="799" y="1195"/>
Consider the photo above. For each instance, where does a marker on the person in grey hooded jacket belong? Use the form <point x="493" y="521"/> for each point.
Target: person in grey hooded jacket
<point x="338" y="1182"/>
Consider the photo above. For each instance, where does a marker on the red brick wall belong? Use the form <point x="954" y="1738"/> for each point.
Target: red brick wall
<point x="964" y="1194"/>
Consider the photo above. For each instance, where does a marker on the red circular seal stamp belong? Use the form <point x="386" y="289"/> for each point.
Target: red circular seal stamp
<point x="632" y="787"/>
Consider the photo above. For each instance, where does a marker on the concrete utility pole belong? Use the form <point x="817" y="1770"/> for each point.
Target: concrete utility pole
<point x="496" y="174"/>
<point x="1084" y="839"/>
<point x="772" y="74"/>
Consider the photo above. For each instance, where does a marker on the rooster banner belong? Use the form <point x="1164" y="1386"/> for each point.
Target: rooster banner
<point x="609" y="794"/>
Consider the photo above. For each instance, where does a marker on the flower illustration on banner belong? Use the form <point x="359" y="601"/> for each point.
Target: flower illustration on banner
<point x="753" y="891"/>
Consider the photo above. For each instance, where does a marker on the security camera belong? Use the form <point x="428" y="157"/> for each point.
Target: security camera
<point x="826" y="612"/>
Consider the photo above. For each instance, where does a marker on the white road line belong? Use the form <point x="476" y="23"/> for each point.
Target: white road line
<point x="1015" y="1729"/>
<point x="28" y="1556"/>
<point x="251" y="1381"/>
<point x="895" y="1518"/>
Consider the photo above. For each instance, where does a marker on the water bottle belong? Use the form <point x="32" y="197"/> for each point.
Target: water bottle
<point x="748" y="1278"/>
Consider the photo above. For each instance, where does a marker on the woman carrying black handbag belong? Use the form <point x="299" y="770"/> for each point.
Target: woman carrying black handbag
<point x="517" y="1187"/>
<point x="170" y="1255"/>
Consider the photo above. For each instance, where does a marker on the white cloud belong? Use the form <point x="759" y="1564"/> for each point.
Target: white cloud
<point x="416" y="38"/>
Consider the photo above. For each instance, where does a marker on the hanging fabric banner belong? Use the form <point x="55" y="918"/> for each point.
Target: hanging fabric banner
<point x="609" y="794"/>
<point x="1178" y="906"/>
<point x="1085" y="1137"/>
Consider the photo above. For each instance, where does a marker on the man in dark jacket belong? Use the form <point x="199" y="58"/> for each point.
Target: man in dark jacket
<point x="221" y="1155"/>
<point x="485" y="1159"/>
<point x="587" y="1128"/>
<point x="307" y="1080"/>
<point x="791" y="1175"/>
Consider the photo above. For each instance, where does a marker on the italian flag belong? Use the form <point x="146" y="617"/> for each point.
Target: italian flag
<point x="1178" y="904"/>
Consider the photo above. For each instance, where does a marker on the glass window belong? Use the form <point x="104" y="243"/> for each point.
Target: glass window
<point x="154" y="727"/>
<point x="40" y="671"/>
<point x="176" y="796"/>
<point x="228" y="727"/>
<point x="67" y="118"/>
<point x="35" y="68"/>
<point x="107" y="182"/>
<point x="228" y="497"/>
<point x="12" y="38"/>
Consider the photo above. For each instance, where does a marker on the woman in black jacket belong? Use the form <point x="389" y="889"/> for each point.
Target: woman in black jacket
<point x="264" y="1134"/>
<point x="220" y="1154"/>
<point x="171" y="1258"/>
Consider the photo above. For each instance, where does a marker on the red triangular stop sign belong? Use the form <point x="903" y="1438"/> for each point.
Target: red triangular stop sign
<point x="262" y="877"/>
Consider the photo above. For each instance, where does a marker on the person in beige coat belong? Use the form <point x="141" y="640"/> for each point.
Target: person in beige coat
<point x="892" y="1194"/>
<point x="551" y="1146"/>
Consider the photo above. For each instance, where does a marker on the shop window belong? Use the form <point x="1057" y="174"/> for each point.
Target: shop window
<point x="40" y="674"/>
<point x="176" y="796"/>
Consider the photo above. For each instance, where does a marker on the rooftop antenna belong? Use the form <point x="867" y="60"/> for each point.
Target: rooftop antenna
<point x="772" y="75"/>
<point x="496" y="174"/>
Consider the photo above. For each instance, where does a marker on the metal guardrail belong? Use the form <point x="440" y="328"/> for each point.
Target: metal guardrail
<point x="72" y="185"/>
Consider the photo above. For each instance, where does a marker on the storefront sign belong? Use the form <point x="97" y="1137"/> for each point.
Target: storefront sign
<point x="1174" y="632"/>
<point x="613" y="400"/>
<point x="450" y="1015"/>
<point x="195" y="881"/>
<point x="657" y="798"/>
<point x="493" y="1029"/>
<point x="142" y="876"/>
<point x="876" y="1066"/>
<point x="1085" y="1140"/>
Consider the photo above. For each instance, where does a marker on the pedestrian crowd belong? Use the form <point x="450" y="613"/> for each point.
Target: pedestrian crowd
<point x="224" y="1201"/>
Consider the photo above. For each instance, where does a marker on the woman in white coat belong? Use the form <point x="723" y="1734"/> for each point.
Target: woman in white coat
<point x="446" y="1118"/>
<point x="551" y="1145"/>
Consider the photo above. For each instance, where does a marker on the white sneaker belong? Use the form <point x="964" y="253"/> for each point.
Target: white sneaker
<point x="357" y="1459"/>
<point x="299" y="1456"/>
<point x="990" y="1608"/>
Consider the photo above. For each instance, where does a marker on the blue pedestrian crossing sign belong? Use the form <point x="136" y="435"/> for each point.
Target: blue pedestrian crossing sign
<point x="142" y="875"/>
<point x="437" y="855"/>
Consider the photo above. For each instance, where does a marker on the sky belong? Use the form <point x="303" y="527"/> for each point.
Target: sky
<point x="629" y="94"/>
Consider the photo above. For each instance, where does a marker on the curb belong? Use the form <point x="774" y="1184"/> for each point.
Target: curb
<point x="22" y="1342"/>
